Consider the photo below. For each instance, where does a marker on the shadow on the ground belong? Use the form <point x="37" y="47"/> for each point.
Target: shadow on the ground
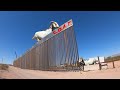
<point x="88" y="70"/>
<point x="2" y="78"/>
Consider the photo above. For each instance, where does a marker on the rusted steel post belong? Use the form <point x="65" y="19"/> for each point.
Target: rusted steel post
<point x="113" y="65"/>
<point x="99" y="63"/>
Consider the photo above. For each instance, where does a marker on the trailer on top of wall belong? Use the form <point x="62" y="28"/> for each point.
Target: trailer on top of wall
<point x="56" y="49"/>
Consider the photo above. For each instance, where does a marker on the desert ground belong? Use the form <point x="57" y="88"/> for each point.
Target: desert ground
<point x="91" y="72"/>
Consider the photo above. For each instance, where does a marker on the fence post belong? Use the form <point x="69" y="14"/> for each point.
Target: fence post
<point x="113" y="65"/>
<point x="99" y="63"/>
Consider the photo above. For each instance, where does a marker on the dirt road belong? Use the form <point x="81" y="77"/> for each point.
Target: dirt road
<point x="17" y="73"/>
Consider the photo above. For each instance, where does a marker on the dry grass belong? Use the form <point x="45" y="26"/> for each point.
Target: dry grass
<point x="4" y="67"/>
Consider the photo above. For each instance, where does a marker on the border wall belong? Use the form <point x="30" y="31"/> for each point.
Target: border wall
<point x="56" y="49"/>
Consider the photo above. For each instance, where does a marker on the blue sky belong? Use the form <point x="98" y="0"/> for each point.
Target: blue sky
<point x="97" y="32"/>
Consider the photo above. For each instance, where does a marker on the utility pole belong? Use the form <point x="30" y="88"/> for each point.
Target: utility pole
<point x="16" y="54"/>
<point x="2" y="60"/>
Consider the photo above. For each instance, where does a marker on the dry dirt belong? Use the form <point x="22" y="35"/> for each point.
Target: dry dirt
<point x="17" y="73"/>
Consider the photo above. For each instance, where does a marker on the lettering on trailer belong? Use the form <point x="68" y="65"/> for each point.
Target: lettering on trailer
<point x="56" y="31"/>
<point x="63" y="27"/>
